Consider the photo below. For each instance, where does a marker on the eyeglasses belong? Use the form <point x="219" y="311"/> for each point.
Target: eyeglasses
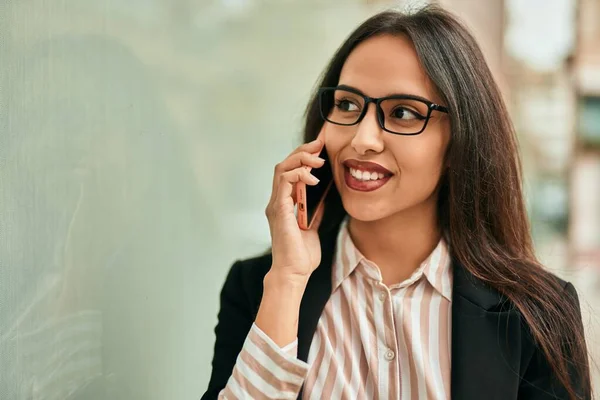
<point x="397" y="114"/>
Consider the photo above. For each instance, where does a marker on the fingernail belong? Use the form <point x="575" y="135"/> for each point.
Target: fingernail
<point x="321" y="159"/>
<point x="315" y="179"/>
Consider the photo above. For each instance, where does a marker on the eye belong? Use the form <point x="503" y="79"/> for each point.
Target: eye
<point x="346" y="105"/>
<point x="406" y="114"/>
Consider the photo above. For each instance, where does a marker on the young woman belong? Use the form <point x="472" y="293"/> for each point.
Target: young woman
<point x="421" y="280"/>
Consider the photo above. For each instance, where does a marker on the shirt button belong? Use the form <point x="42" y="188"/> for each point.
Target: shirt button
<point x="389" y="355"/>
<point x="382" y="296"/>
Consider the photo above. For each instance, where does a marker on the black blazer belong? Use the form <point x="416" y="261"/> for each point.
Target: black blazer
<point x="493" y="355"/>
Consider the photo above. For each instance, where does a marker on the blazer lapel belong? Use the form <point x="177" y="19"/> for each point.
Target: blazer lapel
<point x="486" y="341"/>
<point x="318" y="291"/>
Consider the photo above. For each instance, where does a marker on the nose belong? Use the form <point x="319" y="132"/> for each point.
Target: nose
<point x="369" y="135"/>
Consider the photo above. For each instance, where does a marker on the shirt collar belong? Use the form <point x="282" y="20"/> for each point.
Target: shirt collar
<point x="436" y="268"/>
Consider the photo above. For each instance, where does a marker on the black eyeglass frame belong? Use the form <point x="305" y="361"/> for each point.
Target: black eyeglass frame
<point x="379" y="111"/>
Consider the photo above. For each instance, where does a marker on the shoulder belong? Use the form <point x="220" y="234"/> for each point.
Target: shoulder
<point x="552" y="296"/>
<point x="244" y="281"/>
<point x="561" y="282"/>
<point x="252" y="270"/>
<point x="557" y="310"/>
<point x="553" y="292"/>
<point x="490" y="297"/>
<point x="564" y="287"/>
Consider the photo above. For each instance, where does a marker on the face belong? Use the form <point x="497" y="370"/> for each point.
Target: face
<point x="406" y="169"/>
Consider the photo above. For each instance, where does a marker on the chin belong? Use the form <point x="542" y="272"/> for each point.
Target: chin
<point x="367" y="211"/>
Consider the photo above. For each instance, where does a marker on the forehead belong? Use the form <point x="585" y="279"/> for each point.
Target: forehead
<point x="386" y="65"/>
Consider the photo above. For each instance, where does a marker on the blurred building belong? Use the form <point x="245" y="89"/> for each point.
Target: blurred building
<point x="543" y="106"/>
<point x="584" y="228"/>
<point x="546" y="59"/>
<point x="545" y="56"/>
<point x="585" y="189"/>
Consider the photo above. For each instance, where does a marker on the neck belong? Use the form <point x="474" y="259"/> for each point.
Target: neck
<point x="398" y="244"/>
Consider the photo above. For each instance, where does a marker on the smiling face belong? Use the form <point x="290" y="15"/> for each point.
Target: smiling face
<point x="377" y="173"/>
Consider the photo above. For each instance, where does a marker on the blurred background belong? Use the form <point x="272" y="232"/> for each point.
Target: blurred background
<point x="137" y="142"/>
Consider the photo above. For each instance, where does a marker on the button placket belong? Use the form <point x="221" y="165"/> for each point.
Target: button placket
<point x="389" y="354"/>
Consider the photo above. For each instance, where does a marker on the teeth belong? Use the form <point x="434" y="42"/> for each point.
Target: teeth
<point x="365" y="175"/>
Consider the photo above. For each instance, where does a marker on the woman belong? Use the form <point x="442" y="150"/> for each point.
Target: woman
<point x="421" y="281"/>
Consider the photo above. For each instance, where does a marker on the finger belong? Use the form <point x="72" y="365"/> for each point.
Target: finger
<point x="300" y="159"/>
<point x="313" y="147"/>
<point x="290" y="178"/>
<point x="295" y="161"/>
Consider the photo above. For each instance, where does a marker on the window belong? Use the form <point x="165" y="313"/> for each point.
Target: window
<point x="589" y="121"/>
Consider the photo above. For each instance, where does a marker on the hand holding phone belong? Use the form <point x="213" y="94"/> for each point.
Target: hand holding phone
<point x="296" y="252"/>
<point x="311" y="199"/>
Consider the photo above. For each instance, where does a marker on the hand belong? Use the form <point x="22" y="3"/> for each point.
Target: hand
<point x="296" y="252"/>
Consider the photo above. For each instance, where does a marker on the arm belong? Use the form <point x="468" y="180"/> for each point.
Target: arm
<point x="263" y="368"/>
<point x="247" y="363"/>
<point x="539" y="381"/>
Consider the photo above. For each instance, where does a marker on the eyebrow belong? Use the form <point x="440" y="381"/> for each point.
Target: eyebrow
<point x="413" y="96"/>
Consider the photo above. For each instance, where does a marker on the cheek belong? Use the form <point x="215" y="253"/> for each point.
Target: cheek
<point x="334" y="143"/>
<point x="422" y="158"/>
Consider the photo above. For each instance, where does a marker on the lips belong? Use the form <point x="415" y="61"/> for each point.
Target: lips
<point x="365" y="176"/>
<point x="367" y="166"/>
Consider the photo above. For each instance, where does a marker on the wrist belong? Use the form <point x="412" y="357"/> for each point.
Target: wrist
<point x="291" y="283"/>
<point x="279" y="309"/>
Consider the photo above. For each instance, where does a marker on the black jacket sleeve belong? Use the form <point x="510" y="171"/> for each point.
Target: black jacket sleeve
<point x="235" y="319"/>
<point x="539" y="381"/>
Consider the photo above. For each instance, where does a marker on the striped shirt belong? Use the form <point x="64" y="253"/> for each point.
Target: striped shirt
<point x="371" y="342"/>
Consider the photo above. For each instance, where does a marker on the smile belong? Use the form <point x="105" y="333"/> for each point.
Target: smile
<point x="364" y="176"/>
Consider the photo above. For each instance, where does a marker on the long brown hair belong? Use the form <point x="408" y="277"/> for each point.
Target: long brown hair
<point x="481" y="206"/>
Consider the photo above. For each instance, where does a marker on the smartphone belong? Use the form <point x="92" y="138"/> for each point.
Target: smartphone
<point x="310" y="199"/>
